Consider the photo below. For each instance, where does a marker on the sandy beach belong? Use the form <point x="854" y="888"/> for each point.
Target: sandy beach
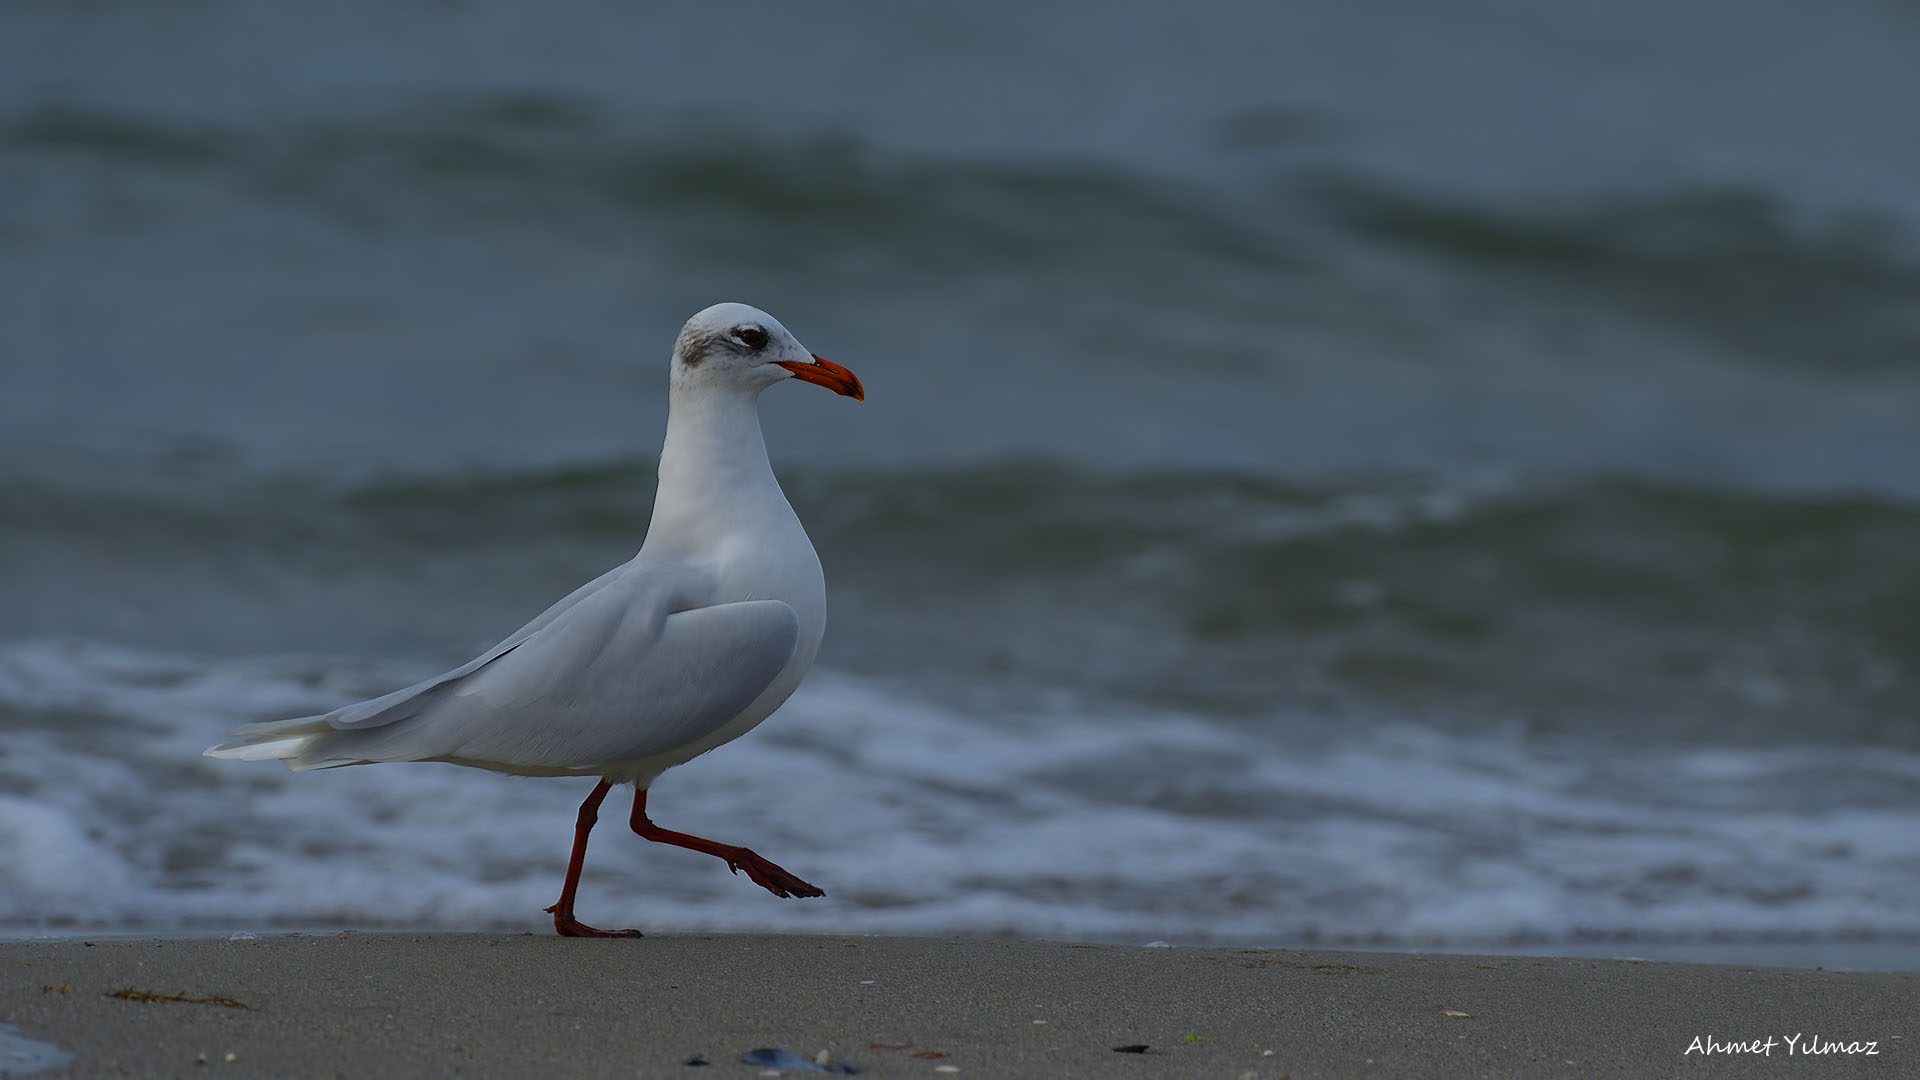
<point x="400" y="1005"/>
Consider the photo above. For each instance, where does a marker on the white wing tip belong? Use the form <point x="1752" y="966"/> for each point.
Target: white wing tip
<point x="264" y="750"/>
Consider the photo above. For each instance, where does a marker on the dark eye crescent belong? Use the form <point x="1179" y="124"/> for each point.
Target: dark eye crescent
<point x="751" y="336"/>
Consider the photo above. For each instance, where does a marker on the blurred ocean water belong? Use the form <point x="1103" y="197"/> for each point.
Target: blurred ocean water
<point x="1353" y="474"/>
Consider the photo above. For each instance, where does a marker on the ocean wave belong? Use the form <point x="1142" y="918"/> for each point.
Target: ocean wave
<point x="1823" y="294"/>
<point x="924" y="819"/>
<point x="1629" y="607"/>
<point x="1735" y="265"/>
<point x="515" y="160"/>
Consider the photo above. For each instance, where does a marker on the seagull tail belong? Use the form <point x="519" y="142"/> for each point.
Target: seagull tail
<point x="285" y="740"/>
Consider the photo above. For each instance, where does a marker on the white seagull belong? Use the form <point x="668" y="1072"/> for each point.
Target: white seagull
<point x="696" y="640"/>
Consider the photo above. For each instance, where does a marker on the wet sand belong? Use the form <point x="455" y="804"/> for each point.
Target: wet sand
<point x="434" y="1005"/>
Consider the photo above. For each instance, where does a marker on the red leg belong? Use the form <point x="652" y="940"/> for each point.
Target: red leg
<point x="563" y="920"/>
<point x="764" y="874"/>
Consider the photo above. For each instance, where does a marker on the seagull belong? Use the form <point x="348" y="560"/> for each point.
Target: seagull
<point x="692" y="643"/>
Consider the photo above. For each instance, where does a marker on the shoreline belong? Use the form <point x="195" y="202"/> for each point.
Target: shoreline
<point x="389" y="1004"/>
<point x="1846" y="954"/>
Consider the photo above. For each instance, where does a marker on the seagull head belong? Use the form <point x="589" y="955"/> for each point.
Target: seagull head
<point x="733" y="346"/>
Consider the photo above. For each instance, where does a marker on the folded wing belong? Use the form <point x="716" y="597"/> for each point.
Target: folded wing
<point x="628" y="667"/>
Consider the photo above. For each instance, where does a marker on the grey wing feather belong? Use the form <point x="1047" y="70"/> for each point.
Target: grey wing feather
<point x="621" y="675"/>
<point x="390" y="708"/>
<point x="402" y="703"/>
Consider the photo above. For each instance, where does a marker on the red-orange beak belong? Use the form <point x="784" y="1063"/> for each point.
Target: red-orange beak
<point x="824" y="372"/>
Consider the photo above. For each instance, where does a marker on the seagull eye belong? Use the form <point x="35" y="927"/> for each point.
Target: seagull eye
<point x="751" y="336"/>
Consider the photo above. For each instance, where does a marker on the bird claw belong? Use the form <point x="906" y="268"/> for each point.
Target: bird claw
<point x="576" y="928"/>
<point x="568" y="926"/>
<point x="773" y="877"/>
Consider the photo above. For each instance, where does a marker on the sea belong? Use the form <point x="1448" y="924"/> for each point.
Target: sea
<point x="1380" y="475"/>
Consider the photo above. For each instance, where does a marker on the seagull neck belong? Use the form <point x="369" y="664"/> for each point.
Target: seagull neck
<point x="713" y="455"/>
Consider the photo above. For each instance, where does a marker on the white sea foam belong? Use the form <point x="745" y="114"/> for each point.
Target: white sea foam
<point x="916" y="818"/>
